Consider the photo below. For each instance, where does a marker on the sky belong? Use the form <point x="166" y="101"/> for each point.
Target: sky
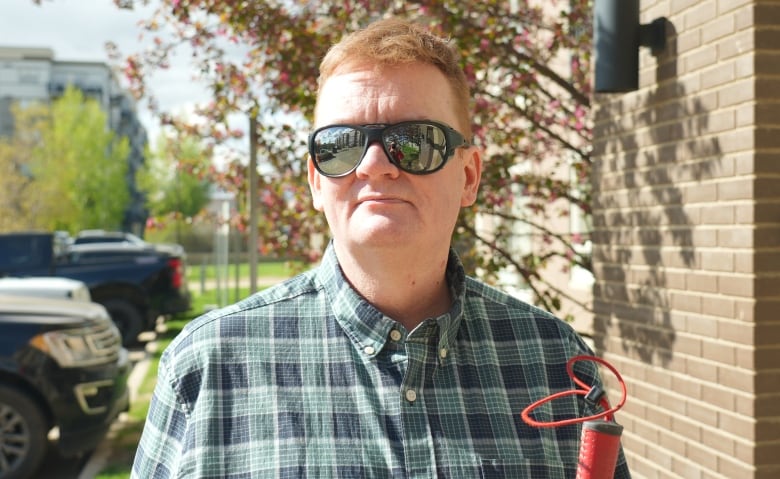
<point x="77" y="30"/>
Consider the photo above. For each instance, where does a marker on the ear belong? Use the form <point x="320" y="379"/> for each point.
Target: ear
<point x="472" y="169"/>
<point x="314" y="184"/>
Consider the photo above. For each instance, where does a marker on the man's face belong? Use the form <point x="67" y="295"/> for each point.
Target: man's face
<point x="379" y="207"/>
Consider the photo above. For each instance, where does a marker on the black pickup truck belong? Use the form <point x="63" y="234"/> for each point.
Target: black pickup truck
<point x="136" y="283"/>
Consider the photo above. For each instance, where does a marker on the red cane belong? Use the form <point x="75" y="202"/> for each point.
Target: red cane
<point x="600" y="440"/>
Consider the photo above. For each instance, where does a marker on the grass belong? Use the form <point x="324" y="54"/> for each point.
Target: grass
<point x="276" y="269"/>
<point x="124" y="440"/>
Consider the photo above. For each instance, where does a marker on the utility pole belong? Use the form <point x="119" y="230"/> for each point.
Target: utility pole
<point x="252" y="201"/>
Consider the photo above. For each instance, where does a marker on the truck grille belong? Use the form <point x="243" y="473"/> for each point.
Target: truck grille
<point x="104" y="341"/>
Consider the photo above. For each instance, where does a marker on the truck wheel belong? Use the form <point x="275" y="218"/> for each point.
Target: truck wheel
<point x="127" y="318"/>
<point x="23" y="434"/>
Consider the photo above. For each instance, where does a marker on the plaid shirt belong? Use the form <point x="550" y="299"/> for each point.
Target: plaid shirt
<point x="308" y="380"/>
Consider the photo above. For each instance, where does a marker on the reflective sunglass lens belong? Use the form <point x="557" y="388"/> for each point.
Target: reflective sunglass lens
<point x="337" y="150"/>
<point x="416" y="147"/>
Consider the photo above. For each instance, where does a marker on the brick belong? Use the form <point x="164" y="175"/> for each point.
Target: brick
<point x="738" y="332"/>
<point x="698" y="15"/>
<point x="766" y="113"/>
<point x="744" y="357"/>
<point x="739" y="45"/>
<point x="767" y="356"/>
<point x="745" y="310"/>
<point x="768" y="334"/>
<point x="769" y="137"/>
<point x="740" y="426"/>
<point x="738" y="285"/>
<point x="767" y="287"/>
<point x="704" y="282"/>
<point x="717" y="214"/>
<point x="688" y="40"/>
<point x="768" y="382"/>
<point x="704" y="414"/>
<point x="719" y="352"/>
<point x="766" y="63"/>
<point x="741" y="380"/>
<point x="719" y="442"/>
<point x="743" y="261"/>
<point x="767" y="163"/>
<point x="698" y="59"/>
<point x="679" y="6"/>
<point x="738" y="189"/>
<point x="702" y="455"/>
<point x="718" y="307"/>
<point x="715" y="260"/>
<point x="722" y="120"/>
<point x="742" y="91"/>
<point x="686" y="302"/>
<point x="735" y="238"/>
<point x="699" y="193"/>
<point x="766" y="236"/>
<point x="743" y="17"/>
<point x="722" y="26"/>
<point x="729" y="467"/>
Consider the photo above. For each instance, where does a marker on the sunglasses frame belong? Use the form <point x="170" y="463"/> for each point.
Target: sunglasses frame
<point x="374" y="132"/>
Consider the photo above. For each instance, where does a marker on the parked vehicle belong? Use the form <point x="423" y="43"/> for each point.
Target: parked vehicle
<point x="46" y="287"/>
<point x="103" y="236"/>
<point x="135" y="283"/>
<point x="62" y="368"/>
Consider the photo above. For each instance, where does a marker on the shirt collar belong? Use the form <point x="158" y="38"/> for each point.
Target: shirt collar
<point x="366" y="326"/>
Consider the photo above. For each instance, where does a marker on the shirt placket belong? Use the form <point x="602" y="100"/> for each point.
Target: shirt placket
<point x="418" y="440"/>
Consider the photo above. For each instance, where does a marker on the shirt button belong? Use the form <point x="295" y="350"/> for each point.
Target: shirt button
<point x="395" y="335"/>
<point x="368" y="350"/>
<point x="443" y="353"/>
<point x="411" y="395"/>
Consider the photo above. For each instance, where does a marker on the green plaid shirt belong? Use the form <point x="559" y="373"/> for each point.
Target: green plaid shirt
<point x="308" y="380"/>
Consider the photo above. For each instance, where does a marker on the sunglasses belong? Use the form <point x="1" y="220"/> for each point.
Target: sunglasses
<point x="416" y="147"/>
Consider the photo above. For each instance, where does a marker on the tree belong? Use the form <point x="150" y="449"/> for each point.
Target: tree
<point x="15" y="203"/>
<point x="528" y="63"/>
<point x="174" y="177"/>
<point x="71" y="170"/>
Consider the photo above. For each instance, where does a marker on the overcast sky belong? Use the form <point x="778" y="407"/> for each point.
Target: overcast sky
<point x="79" y="30"/>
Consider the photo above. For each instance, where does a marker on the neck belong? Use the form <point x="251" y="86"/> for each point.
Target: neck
<point x="407" y="288"/>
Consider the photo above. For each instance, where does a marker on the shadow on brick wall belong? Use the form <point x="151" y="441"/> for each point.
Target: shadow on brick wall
<point x="651" y="155"/>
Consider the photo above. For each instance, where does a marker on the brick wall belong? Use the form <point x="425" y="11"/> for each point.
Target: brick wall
<point x="687" y="243"/>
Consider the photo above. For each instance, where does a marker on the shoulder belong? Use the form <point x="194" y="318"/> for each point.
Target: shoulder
<point x="234" y="329"/>
<point x="509" y="316"/>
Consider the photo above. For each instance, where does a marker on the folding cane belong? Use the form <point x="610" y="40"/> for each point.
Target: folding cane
<point x="600" y="440"/>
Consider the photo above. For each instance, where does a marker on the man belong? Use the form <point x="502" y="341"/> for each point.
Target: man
<point x="385" y="361"/>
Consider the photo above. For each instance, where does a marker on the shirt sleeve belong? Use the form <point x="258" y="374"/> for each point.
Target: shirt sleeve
<point x="160" y="448"/>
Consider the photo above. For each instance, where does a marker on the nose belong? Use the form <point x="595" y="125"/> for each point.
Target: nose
<point x="375" y="163"/>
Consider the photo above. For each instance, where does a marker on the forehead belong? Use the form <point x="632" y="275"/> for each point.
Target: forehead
<point x="361" y="93"/>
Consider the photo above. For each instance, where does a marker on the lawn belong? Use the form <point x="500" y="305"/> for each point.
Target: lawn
<point x="273" y="269"/>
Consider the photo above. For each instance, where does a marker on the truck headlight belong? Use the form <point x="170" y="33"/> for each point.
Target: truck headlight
<point x="72" y="348"/>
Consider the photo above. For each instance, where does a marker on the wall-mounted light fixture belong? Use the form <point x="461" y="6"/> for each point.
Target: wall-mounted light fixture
<point x="617" y="36"/>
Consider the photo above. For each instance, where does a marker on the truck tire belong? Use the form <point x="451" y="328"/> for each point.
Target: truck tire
<point x="128" y="320"/>
<point x="23" y="434"/>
